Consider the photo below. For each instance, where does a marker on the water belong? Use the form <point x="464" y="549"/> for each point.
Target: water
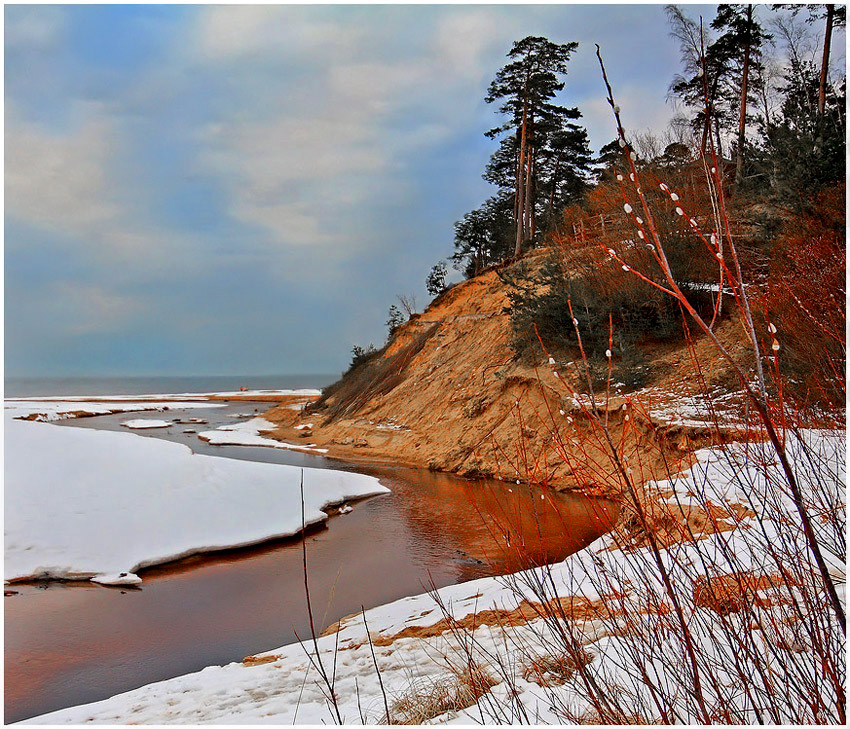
<point x="35" y="386"/>
<point x="67" y="644"/>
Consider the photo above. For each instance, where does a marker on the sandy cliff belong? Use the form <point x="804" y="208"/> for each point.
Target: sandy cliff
<point x="448" y="393"/>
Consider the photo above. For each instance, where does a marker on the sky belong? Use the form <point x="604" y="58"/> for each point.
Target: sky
<point x="246" y="189"/>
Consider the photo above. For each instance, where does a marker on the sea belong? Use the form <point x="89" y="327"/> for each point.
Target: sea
<point x="41" y="386"/>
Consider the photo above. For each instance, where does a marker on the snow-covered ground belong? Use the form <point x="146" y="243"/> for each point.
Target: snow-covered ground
<point x="303" y="392"/>
<point x="83" y="503"/>
<point x="248" y="434"/>
<point x="416" y="653"/>
<point x="68" y="408"/>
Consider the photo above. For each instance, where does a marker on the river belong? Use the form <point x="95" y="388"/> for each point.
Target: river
<point x="73" y="643"/>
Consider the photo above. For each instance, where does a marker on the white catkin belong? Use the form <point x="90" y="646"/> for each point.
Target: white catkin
<point x="626" y="268"/>
<point x="555" y="372"/>
<point x="622" y="142"/>
<point x="611" y="252"/>
<point x="561" y="411"/>
<point x="608" y="353"/>
<point x="627" y="208"/>
<point x="632" y="176"/>
<point x="640" y="234"/>
<point x="674" y="196"/>
<point x="719" y="256"/>
<point x="616" y="109"/>
<point x="633" y="156"/>
<point x="775" y="346"/>
<point x="575" y="322"/>
<point x="664" y="187"/>
<point x="771" y="328"/>
<point x="639" y="220"/>
<point x="679" y="211"/>
<point x="619" y="177"/>
<point x="551" y="360"/>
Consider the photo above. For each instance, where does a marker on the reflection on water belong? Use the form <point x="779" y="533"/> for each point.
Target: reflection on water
<point x="71" y="644"/>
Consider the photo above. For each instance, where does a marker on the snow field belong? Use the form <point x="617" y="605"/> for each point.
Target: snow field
<point x="83" y="503"/>
<point x="277" y="692"/>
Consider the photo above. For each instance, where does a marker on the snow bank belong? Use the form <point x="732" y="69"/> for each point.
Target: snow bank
<point x="303" y="392"/>
<point x="82" y="503"/>
<point x="69" y="408"/>
<point x="248" y="434"/>
<point x="276" y="691"/>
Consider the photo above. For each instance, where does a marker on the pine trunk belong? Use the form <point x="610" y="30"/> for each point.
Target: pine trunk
<point x="742" y="116"/>
<point x="529" y="184"/>
<point x="824" y="69"/>
<point x="520" y="185"/>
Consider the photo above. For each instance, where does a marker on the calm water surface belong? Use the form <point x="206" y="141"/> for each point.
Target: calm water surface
<point x="68" y="644"/>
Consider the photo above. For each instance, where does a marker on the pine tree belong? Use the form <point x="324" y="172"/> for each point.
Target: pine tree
<point x="483" y="236"/>
<point x="544" y="149"/>
<point x="733" y="66"/>
<point x="835" y="17"/>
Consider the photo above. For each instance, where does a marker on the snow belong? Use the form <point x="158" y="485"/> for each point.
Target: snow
<point x="82" y="503"/>
<point x="146" y="423"/>
<point x="303" y="392"/>
<point x="122" y="578"/>
<point x="287" y="688"/>
<point x="69" y="408"/>
<point x="248" y="434"/>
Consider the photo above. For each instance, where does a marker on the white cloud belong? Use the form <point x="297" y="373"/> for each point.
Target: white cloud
<point x="59" y="181"/>
<point x="33" y="28"/>
<point x="228" y="32"/>
<point x="464" y="39"/>
<point x="94" y="309"/>
<point x="307" y="160"/>
<point x="77" y="183"/>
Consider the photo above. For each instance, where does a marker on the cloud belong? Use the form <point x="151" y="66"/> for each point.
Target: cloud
<point x="33" y="29"/>
<point x="94" y="309"/>
<point x="225" y="33"/>
<point x="465" y="39"/>
<point x="79" y="186"/>
<point x="60" y="181"/>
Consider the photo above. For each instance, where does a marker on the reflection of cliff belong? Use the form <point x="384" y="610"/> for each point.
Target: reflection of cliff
<point x="495" y="527"/>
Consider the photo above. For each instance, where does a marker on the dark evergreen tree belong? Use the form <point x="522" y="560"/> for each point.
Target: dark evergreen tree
<point x="395" y="319"/>
<point x="609" y="161"/>
<point x="483" y="236"/>
<point x="435" y="283"/>
<point x="806" y="150"/>
<point x="544" y="151"/>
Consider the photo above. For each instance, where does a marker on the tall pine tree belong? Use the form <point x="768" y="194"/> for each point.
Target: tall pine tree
<point x="544" y="154"/>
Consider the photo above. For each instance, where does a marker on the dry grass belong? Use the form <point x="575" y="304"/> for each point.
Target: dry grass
<point x="428" y="699"/>
<point x="553" y="669"/>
